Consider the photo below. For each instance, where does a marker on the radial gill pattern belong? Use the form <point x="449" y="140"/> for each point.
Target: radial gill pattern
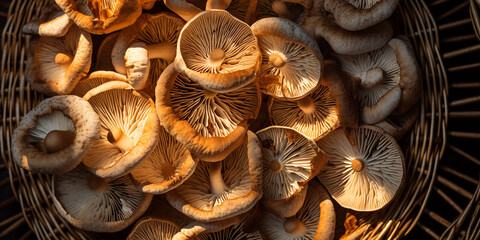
<point x="47" y="123"/>
<point x="234" y="232"/>
<point x="153" y="229"/>
<point x="363" y="4"/>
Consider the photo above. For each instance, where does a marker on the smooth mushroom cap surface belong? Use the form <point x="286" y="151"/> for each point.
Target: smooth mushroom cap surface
<point x="365" y="167"/>
<point x="53" y="137"/>
<point x="292" y="63"/>
<point x="101" y="16"/>
<point x="129" y="129"/>
<point x="95" y="204"/>
<point x="210" y="125"/>
<point x="61" y="62"/>
<point x="218" y="51"/>
<point x="222" y="189"/>
<point x="96" y="79"/>
<point x="286" y="207"/>
<point x="168" y="166"/>
<point x="150" y="228"/>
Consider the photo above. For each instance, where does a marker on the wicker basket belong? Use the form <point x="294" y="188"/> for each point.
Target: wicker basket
<point x="423" y="147"/>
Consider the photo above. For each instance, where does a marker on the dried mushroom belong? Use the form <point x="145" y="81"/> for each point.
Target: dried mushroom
<point x="150" y="228"/>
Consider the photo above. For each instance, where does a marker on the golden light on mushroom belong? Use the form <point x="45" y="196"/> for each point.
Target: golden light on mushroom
<point x="129" y="129"/>
<point x="365" y="167"/>
<point x="96" y="79"/>
<point x="234" y="232"/>
<point x="151" y="228"/>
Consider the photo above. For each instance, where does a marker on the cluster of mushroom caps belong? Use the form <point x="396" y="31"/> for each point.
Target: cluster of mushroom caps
<point x="174" y="101"/>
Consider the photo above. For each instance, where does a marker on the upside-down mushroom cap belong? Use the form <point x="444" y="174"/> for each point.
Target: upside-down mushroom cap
<point x="104" y="52"/>
<point x="101" y="16"/>
<point x="129" y="129"/>
<point x="96" y="204"/>
<point x="94" y="80"/>
<point x="210" y="125"/>
<point x="315" y="115"/>
<point x="193" y="229"/>
<point x="168" y="166"/>
<point x="290" y="160"/>
<point x="222" y="189"/>
<point x="61" y="62"/>
<point x="234" y="232"/>
<point x="291" y="59"/>
<point x="398" y="126"/>
<point x="294" y="10"/>
<point x="218" y="51"/>
<point x="150" y="228"/>
<point x="354" y="15"/>
<point x="365" y="167"/>
<point x="52" y="25"/>
<point x="314" y="220"/>
<point x="53" y="137"/>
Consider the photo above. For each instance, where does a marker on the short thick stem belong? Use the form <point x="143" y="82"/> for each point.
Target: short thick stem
<point x="116" y="137"/>
<point x="306" y="104"/>
<point x="373" y="77"/>
<point x="63" y="60"/>
<point x="358" y="165"/>
<point x="295" y="227"/>
<point x="277" y="60"/>
<point x="168" y="170"/>
<point x="164" y="50"/>
<point x="57" y="140"/>
<point x="97" y="184"/>
<point x="209" y="94"/>
<point x="276" y="166"/>
<point x="216" y="179"/>
<point x="217" y="4"/>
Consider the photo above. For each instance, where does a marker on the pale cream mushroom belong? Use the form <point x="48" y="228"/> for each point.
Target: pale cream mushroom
<point x="209" y="124"/>
<point x="53" y="137"/>
<point x="292" y="63"/>
<point x="51" y="23"/>
<point x="218" y="51"/>
<point x="365" y="167"/>
<point x="96" y="204"/>
<point x="224" y="189"/>
<point x="61" y="62"/>
<point x="150" y="228"/>
<point x="129" y="129"/>
<point x="94" y="80"/>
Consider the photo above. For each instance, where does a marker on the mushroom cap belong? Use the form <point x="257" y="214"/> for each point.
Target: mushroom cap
<point x="292" y="63"/>
<point x="193" y="229"/>
<point x="151" y="228"/>
<point x="354" y="15"/>
<point x="168" y="166"/>
<point x="182" y="105"/>
<point x="234" y="232"/>
<point x="94" y="204"/>
<point x="314" y="220"/>
<point x="96" y="79"/>
<point x="218" y="51"/>
<point x="101" y="16"/>
<point x="57" y="75"/>
<point x="398" y="126"/>
<point x="287" y="207"/>
<point x="137" y="65"/>
<point x="223" y="189"/>
<point x="294" y="10"/>
<point x="104" y="52"/>
<point x="147" y="4"/>
<point x="290" y="160"/>
<point x="365" y="167"/>
<point x="55" y="25"/>
<point x="129" y="114"/>
<point x="314" y="116"/>
<point x="64" y="113"/>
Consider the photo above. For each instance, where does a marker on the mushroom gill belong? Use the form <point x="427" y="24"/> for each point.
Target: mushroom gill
<point x="52" y="132"/>
<point x="96" y="79"/>
<point x="234" y="232"/>
<point x="363" y="4"/>
<point x="151" y="228"/>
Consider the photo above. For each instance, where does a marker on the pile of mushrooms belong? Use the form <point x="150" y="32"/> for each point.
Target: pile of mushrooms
<point x="219" y="119"/>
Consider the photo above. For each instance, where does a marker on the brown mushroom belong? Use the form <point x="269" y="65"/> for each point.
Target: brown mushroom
<point x="96" y="79"/>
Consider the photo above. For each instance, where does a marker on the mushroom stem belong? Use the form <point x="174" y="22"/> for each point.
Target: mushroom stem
<point x="306" y="104"/>
<point x="373" y="77"/>
<point x="295" y="227"/>
<point x="217" y="55"/>
<point x="209" y="94"/>
<point x="276" y="166"/>
<point x="358" y="165"/>
<point x="168" y="170"/>
<point x="97" y="184"/>
<point x="57" y="140"/>
<point x="217" y="4"/>
<point x="216" y="179"/>
<point x="163" y="50"/>
<point x="63" y="60"/>
<point x="277" y="60"/>
<point x="116" y="137"/>
<point x="281" y="9"/>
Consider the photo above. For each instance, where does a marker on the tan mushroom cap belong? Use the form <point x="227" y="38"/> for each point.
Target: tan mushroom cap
<point x="210" y="125"/>
<point x="95" y="204"/>
<point x="294" y="10"/>
<point x="53" y="137"/>
<point x="287" y="207"/>
<point x="94" y="80"/>
<point x="354" y="15"/>
<point x="54" y="25"/>
<point x="168" y="166"/>
<point x="314" y="220"/>
<point x="315" y="115"/>
<point x="398" y="126"/>
<point x="234" y="232"/>
<point x="290" y="160"/>
<point x="292" y="63"/>
<point x="222" y="189"/>
<point x="104" y="52"/>
<point x="147" y="4"/>
<point x="195" y="228"/>
<point x="218" y="51"/>
<point x="150" y="228"/>
<point x="101" y="16"/>
<point x="129" y="129"/>
<point x="365" y="167"/>
<point x="61" y="62"/>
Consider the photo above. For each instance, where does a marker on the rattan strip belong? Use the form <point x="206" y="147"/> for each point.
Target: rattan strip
<point x="475" y="16"/>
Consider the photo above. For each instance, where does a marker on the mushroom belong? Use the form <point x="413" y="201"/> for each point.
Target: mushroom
<point x="224" y="189"/>
<point x="365" y="167"/>
<point x="101" y="16"/>
<point x="61" y="62"/>
<point x="234" y="232"/>
<point x="354" y="15"/>
<point x="314" y="220"/>
<point x="291" y="60"/>
<point x="389" y="79"/>
<point x="137" y="65"/>
<point x="129" y="129"/>
<point x="294" y="10"/>
<point x="290" y="160"/>
<point x="104" y="59"/>
<point x="168" y="166"/>
<point x="147" y="4"/>
<point x="96" y="79"/>
<point x="96" y="204"/>
<point x="53" y="137"/>
<point x="195" y="228"/>
<point x="218" y="51"/>
<point x="150" y="228"/>
<point x="398" y="126"/>
<point x="315" y="115"/>
<point x="209" y="124"/>
<point x="53" y="23"/>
